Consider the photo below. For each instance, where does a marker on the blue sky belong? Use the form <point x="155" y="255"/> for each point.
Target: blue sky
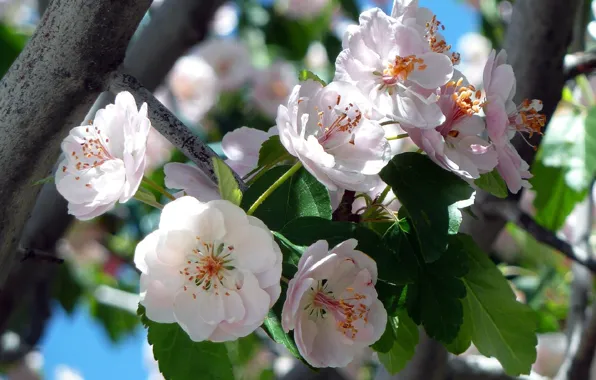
<point x="81" y="343"/>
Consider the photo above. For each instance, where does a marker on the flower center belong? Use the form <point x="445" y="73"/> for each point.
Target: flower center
<point x="346" y="311"/>
<point x="401" y="67"/>
<point x="207" y="267"/>
<point x="467" y="100"/>
<point x="436" y="44"/>
<point x="345" y="120"/>
<point x="92" y="149"/>
<point x="528" y="119"/>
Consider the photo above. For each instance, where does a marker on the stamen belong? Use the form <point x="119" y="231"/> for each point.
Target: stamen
<point x="401" y="68"/>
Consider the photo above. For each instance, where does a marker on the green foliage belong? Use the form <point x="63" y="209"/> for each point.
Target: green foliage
<point x="11" y="44"/>
<point x="301" y="195"/>
<point x="146" y="196"/>
<point x="118" y="323"/>
<point x="496" y="323"/>
<point x="228" y="187"/>
<point x="273" y="327"/>
<point x="565" y="165"/>
<point x="431" y="197"/>
<point x="306" y="75"/>
<point x="405" y="333"/>
<point x="271" y="152"/>
<point x="351" y="8"/>
<point x="434" y="300"/>
<point x="492" y="183"/>
<point x="43" y="181"/>
<point x="179" y="358"/>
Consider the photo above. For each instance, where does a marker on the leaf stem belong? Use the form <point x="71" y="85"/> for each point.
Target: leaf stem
<point x="398" y="137"/>
<point x="383" y="195"/>
<point x="273" y="187"/>
<point x="155" y="186"/>
<point x="389" y="122"/>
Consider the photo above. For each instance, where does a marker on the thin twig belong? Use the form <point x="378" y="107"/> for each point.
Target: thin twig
<point x="509" y="211"/>
<point x="36" y="254"/>
<point x="169" y="126"/>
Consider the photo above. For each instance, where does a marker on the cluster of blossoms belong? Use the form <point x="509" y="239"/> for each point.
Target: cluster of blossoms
<point x="216" y="270"/>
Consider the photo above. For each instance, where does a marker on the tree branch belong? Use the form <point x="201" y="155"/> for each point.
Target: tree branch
<point x="48" y="90"/>
<point x="579" y="63"/>
<point x="508" y="211"/>
<point x="170" y="127"/>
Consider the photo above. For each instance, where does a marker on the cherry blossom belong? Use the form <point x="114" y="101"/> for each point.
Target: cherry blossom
<point x="332" y="304"/>
<point x="210" y="268"/>
<point x="273" y="85"/>
<point x="504" y="119"/>
<point x="192" y="89"/>
<point x="456" y="144"/>
<point x="396" y="67"/>
<point x="329" y="129"/>
<point x="104" y="161"/>
<point x="230" y="59"/>
<point x="241" y="146"/>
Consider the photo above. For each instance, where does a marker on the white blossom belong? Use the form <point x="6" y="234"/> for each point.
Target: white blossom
<point x="396" y="67"/>
<point x="104" y="161"/>
<point x="272" y="86"/>
<point x="230" y="59"/>
<point x="329" y="129"/>
<point x="192" y="89"/>
<point x="210" y="268"/>
<point x="332" y="305"/>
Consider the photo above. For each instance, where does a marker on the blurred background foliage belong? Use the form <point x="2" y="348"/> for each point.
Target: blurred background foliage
<point x="269" y="42"/>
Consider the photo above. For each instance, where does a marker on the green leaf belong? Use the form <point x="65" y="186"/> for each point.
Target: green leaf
<point x="500" y="326"/>
<point x="555" y="200"/>
<point x="273" y="327"/>
<point x="179" y="358"/>
<point x="11" y="44"/>
<point x="435" y="299"/>
<point x="492" y="183"/>
<point x="306" y="75"/>
<point x="432" y="197"/>
<point x="118" y="323"/>
<point x="228" y="187"/>
<point x="43" y="181"/>
<point x="271" y="152"/>
<point x="404" y="346"/>
<point x="242" y="350"/>
<point x="307" y="230"/>
<point x="301" y="195"/>
<point x="147" y="197"/>
<point x="385" y="343"/>
<point x="66" y="288"/>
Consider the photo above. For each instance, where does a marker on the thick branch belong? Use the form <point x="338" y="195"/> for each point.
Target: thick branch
<point x="48" y="90"/>
<point x="170" y="127"/>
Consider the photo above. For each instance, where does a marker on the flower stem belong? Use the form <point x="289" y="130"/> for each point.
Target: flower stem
<point x="273" y="187"/>
<point x="389" y="122"/>
<point x="586" y="89"/>
<point x="384" y="194"/>
<point x="155" y="186"/>
<point x="283" y="279"/>
<point x="398" y="137"/>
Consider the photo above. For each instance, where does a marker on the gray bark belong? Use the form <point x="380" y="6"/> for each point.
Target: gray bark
<point x="170" y="127"/>
<point x="48" y="90"/>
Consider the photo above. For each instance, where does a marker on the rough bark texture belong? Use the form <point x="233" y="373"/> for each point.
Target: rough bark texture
<point x="48" y="90"/>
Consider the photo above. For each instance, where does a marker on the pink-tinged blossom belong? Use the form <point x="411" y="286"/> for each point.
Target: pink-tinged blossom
<point x="241" y="147"/>
<point x="230" y="59"/>
<point x="456" y="144"/>
<point x="504" y="119"/>
<point x="329" y="129"/>
<point x="159" y="150"/>
<point x="273" y="86"/>
<point x="332" y="305"/>
<point x="210" y="268"/>
<point x="396" y="67"/>
<point x="105" y="160"/>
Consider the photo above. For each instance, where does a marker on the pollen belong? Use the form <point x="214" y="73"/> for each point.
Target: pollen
<point x="467" y="99"/>
<point x="436" y="43"/>
<point x="401" y="68"/>
<point x="529" y="119"/>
